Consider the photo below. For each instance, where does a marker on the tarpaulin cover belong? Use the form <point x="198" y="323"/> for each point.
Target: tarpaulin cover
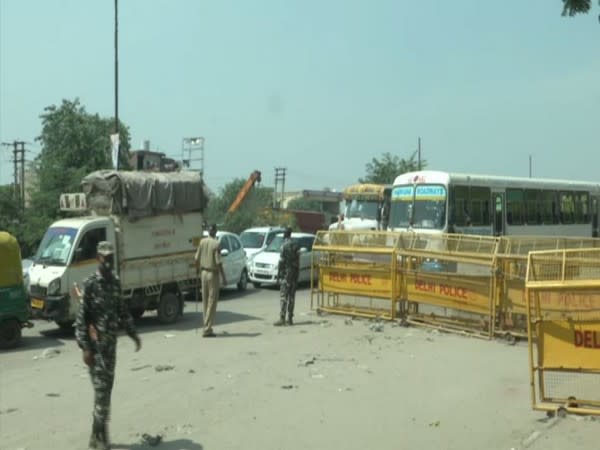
<point x="142" y="194"/>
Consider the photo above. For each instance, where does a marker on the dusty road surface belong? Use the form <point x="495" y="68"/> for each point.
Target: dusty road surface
<point x="326" y="383"/>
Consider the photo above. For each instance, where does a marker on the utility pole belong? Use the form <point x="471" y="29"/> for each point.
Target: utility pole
<point x="279" y="176"/>
<point x="529" y="166"/>
<point x="18" y="150"/>
<point x="117" y="81"/>
<point x="419" y="153"/>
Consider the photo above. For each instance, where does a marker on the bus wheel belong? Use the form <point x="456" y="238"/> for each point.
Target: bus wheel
<point x="10" y="334"/>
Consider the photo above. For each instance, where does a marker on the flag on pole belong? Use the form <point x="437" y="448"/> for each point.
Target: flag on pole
<point x="114" y="139"/>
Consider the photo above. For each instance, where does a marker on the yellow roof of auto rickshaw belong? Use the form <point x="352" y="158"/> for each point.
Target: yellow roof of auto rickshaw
<point x="364" y="190"/>
<point x="11" y="270"/>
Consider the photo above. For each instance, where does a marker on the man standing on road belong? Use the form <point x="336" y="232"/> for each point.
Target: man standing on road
<point x="101" y="312"/>
<point x="287" y="274"/>
<point x="208" y="260"/>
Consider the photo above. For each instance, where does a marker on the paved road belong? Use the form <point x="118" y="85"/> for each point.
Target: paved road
<point x="324" y="383"/>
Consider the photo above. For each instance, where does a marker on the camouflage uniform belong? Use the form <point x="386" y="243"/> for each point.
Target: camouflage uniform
<point x="289" y="269"/>
<point x="103" y="307"/>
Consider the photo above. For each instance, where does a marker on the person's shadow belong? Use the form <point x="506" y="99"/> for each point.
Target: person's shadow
<point x="177" y="444"/>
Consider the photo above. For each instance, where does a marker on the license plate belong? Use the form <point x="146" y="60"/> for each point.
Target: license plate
<point x="37" y="303"/>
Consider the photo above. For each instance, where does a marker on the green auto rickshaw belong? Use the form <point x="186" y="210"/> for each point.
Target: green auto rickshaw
<point x="14" y="301"/>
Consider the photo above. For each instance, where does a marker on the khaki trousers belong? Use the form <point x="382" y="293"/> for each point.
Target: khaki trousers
<point x="210" y="296"/>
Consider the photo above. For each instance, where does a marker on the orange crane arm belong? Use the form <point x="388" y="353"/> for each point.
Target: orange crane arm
<point x="253" y="178"/>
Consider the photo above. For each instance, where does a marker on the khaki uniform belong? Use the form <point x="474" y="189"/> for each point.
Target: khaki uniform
<point x="208" y="257"/>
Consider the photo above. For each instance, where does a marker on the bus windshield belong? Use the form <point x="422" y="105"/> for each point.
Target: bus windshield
<point x="423" y="208"/>
<point x="363" y="209"/>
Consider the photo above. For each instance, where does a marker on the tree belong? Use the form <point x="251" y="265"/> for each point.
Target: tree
<point x="573" y="7"/>
<point x="74" y="143"/>
<point x="386" y="169"/>
<point x="304" y="204"/>
<point x="249" y="212"/>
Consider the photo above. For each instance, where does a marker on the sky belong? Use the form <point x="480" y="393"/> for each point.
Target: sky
<point x="319" y="87"/>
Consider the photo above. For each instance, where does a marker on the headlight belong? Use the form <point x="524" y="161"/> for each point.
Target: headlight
<point x="54" y="287"/>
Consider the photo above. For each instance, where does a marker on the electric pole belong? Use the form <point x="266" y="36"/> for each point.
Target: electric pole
<point x="279" y="177"/>
<point x="117" y="82"/>
<point x="18" y="159"/>
<point x="419" y="153"/>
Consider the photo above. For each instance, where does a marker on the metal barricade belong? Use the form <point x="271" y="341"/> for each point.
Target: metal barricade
<point x="563" y="312"/>
<point x="354" y="273"/>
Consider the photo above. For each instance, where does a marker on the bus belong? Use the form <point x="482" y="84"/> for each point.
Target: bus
<point x="366" y="207"/>
<point x="442" y="202"/>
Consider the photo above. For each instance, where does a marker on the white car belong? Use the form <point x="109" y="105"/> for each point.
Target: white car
<point x="233" y="258"/>
<point x="256" y="239"/>
<point x="264" y="264"/>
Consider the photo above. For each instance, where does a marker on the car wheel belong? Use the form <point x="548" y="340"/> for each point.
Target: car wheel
<point x="255" y="284"/>
<point x="243" y="283"/>
<point x="10" y="334"/>
<point x="168" y="308"/>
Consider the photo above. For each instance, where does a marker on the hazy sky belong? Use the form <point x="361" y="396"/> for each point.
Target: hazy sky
<point x="319" y="87"/>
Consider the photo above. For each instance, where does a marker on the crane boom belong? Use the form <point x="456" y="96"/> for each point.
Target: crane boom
<point x="245" y="190"/>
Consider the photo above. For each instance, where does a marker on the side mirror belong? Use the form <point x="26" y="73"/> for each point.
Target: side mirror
<point x="224" y="252"/>
<point x="303" y="250"/>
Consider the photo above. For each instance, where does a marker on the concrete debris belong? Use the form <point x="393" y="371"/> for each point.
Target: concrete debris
<point x="8" y="411"/>
<point x="209" y="388"/>
<point x="429" y="339"/>
<point x="152" y="441"/>
<point x="348" y="322"/>
<point x="169" y="335"/>
<point x="163" y="367"/>
<point x="317" y="375"/>
<point x="531" y="439"/>
<point x="310" y="361"/>
<point x="326" y="323"/>
<point x="191" y="371"/>
<point x="344" y="389"/>
<point x="52" y="394"/>
<point x="288" y="386"/>
<point x="435" y="424"/>
<point x="145" y="366"/>
<point x="49" y="353"/>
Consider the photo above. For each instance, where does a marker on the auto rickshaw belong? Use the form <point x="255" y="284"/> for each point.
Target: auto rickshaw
<point x="14" y="301"/>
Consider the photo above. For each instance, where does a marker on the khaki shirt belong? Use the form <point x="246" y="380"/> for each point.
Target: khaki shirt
<point x="208" y="255"/>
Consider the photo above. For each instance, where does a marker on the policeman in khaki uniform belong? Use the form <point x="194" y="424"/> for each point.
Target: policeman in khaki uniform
<point x="208" y="261"/>
<point x="101" y="312"/>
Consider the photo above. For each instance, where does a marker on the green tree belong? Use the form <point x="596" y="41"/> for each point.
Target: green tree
<point x="249" y="212"/>
<point x="386" y="169"/>
<point x="74" y="143"/>
<point x="304" y="204"/>
<point x="574" y="7"/>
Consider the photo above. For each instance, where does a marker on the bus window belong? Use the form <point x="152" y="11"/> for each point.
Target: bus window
<point x="532" y="203"/>
<point x="460" y="207"/>
<point x="514" y="206"/>
<point x="548" y="207"/>
<point x="581" y="207"/>
<point x="567" y="208"/>
<point x="480" y="205"/>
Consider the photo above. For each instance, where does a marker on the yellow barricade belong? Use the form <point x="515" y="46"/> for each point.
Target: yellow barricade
<point x="356" y="273"/>
<point x="563" y="305"/>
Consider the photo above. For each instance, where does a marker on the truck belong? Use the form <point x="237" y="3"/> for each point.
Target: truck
<point x="367" y="207"/>
<point x="154" y="220"/>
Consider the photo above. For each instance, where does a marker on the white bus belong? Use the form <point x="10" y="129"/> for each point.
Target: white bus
<point x="441" y="202"/>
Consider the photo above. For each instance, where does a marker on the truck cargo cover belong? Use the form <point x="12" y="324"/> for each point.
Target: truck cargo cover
<point x="142" y="194"/>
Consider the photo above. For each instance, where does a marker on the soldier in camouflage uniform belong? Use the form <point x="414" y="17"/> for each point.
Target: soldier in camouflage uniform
<point x="101" y="312"/>
<point x="287" y="274"/>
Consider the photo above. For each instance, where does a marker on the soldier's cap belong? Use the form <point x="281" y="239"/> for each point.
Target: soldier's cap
<point x="105" y="248"/>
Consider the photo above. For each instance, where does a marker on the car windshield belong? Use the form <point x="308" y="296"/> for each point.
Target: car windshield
<point x="252" y="239"/>
<point x="364" y="209"/>
<point x="56" y="246"/>
<point x="277" y="242"/>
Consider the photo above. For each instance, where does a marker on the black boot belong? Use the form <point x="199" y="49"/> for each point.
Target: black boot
<point x="105" y="440"/>
<point x="280" y="322"/>
<point x="290" y="321"/>
<point x="95" y="442"/>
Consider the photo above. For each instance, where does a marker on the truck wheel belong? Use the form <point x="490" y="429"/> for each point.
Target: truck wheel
<point x="168" y="308"/>
<point x="136" y="313"/>
<point x="10" y="334"/>
<point x="67" y="325"/>
<point x="243" y="283"/>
